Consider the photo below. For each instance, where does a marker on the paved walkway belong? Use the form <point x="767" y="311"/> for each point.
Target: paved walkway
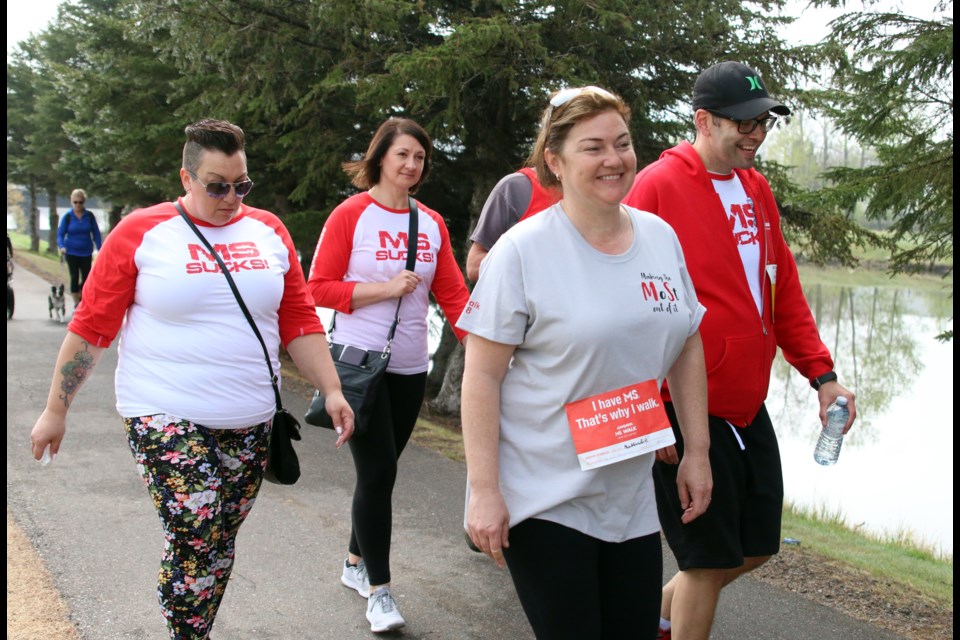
<point x="90" y="519"/>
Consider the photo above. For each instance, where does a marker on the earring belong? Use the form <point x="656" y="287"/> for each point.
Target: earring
<point x="557" y="175"/>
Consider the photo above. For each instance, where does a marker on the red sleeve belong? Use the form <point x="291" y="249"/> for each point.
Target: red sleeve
<point x="793" y="323"/>
<point x="112" y="284"/>
<point x="449" y="287"/>
<point x="332" y="257"/>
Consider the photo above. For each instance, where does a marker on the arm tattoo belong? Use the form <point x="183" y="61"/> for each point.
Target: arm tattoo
<point x="75" y="372"/>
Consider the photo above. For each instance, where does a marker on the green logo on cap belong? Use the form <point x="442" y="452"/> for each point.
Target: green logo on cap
<point x="755" y="83"/>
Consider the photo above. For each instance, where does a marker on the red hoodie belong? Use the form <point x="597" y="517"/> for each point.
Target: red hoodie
<point x="739" y="345"/>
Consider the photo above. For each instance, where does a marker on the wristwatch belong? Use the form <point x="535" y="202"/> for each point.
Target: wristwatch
<point x="819" y="381"/>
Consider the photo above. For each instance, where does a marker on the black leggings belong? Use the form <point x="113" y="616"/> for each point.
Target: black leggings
<point x="574" y="586"/>
<point x="79" y="268"/>
<point x="375" y="457"/>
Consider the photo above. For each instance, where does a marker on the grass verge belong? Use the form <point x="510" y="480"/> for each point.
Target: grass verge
<point x="46" y="265"/>
<point x="899" y="560"/>
<point x="811" y="274"/>
<point x="21" y="242"/>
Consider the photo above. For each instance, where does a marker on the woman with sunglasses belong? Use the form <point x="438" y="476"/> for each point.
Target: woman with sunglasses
<point x="78" y="235"/>
<point x="200" y="446"/>
<point x="359" y="270"/>
<point x="579" y="315"/>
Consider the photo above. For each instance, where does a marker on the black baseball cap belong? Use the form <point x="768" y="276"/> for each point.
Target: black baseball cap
<point x="734" y="90"/>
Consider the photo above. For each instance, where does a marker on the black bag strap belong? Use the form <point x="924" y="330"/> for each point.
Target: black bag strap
<point x="236" y="294"/>
<point x="412" y="242"/>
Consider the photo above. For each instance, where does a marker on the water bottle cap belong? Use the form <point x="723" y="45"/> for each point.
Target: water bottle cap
<point x="842" y="401"/>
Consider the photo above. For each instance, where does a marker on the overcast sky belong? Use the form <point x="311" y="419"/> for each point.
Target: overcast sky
<point x="26" y="17"/>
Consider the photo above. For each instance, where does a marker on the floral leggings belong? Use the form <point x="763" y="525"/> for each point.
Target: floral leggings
<point x="203" y="483"/>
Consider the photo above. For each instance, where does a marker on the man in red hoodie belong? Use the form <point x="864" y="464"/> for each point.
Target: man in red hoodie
<point x="729" y="227"/>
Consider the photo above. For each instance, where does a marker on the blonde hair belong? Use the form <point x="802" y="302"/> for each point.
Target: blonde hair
<point x="78" y="192"/>
<point x="561" y="115"/>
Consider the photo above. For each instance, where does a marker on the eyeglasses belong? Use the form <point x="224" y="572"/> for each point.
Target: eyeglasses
<point x="745" y="127"/>
<point x="221" y="189"/>
<point x="78" y="201"/>
<point x="566" y="95"/>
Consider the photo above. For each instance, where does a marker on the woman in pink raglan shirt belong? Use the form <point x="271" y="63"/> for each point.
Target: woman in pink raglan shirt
<point x="359" y="271"/>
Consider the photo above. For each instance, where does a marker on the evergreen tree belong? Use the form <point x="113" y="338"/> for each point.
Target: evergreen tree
<point x="35" y="135"/>
<point x="22" y="168"/>
<point x="892" y="89"/>
<point x="125" y="132"/>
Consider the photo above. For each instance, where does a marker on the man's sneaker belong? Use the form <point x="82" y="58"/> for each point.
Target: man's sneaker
<point x="382" y="611"/>
<point x="356" y="578"/>
<point x="663" y="634"/>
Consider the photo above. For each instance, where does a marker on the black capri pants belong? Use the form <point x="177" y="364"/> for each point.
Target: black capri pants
<point x="79" y="269"/>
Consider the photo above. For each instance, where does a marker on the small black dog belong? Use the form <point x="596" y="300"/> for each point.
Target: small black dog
<point x="57" y="304"/>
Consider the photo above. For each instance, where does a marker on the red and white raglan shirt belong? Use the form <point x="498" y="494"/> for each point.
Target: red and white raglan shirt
<point x="363" y="241"/>
<point x="186" y="349"/>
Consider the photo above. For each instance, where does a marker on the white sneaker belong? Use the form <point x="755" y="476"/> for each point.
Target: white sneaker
<point x="356" y="578"/>
<point x="382" y="611"/>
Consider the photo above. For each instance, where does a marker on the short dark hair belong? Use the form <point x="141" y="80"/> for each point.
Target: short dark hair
<point x="207" y="135"/>
<point x="366" y="172"/>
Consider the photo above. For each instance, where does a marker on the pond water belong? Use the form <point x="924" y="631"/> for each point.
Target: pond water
<point x="895" y="473"/>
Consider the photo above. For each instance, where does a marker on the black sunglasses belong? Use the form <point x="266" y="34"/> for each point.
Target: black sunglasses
<point x="221" y="189"/>
<point x="745" y="127"/>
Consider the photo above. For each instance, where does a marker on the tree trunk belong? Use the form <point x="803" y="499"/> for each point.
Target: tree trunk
<point x="54" y="221"/>
<point x="114" y="218"/>
<point x="33" y="218"/>
<point x="447" y="401"/>
<point x="441" y="357"/>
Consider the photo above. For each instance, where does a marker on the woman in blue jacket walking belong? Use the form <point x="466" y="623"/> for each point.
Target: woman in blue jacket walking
<point x="77" y="236"/>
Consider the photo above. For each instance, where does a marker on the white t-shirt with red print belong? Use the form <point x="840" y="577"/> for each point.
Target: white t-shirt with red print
<point x="185" y="348"/>
<point x="363" y="241"/>
<point x="743" y="225"/>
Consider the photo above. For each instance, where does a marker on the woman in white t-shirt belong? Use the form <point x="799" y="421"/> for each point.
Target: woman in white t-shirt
<point x="192" y="381"/>
<point x="578" y="316"/>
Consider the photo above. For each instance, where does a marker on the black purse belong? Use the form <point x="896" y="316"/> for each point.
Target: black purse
<point x="283" y="466"/>
<point x="361" y="371"/>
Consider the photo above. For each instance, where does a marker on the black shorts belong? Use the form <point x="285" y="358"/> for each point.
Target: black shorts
<point x="743" y="519"/>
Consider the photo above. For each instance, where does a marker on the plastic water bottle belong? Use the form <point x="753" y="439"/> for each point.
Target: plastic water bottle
<point x="828" y="446"/>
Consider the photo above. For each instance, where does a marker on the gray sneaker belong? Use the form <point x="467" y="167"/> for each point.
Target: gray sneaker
<point x="356" y="578"/>
<point x="382" y="611"/>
